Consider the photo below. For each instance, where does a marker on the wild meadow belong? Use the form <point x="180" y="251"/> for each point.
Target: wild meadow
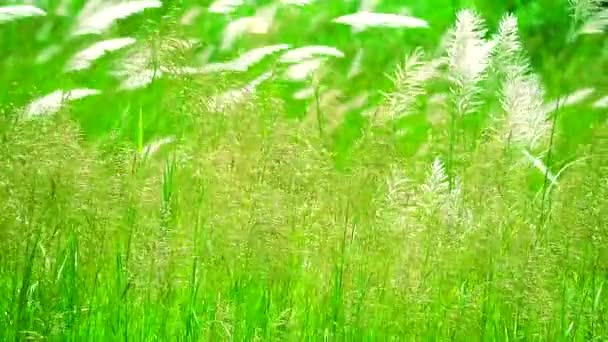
<point x="303" y="170"/>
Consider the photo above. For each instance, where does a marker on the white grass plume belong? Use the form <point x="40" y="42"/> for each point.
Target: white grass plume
<point x="135" y="61"/>
<point x="437" y="197"/>
<point x="522" y="93"/>
<point x="364" y="20"/>
<point x="397" y="187"/>
<point x="468" y="56"/>
<point x="398" y="199"/>
<point x="14" y="12"/>
<point x="99" y="18"/>
<point x="233" y="97"/>
<point x="590" y="16"/>
<point x="540" y="166"/>
<point x="572" y="99"/>
<point x="596" y="24"/>
<point x="437" y="182"/>
<point x="154" y="146"/>
<point x="601" y="103"/>
<point x="139" y="79"/>
<point x="190" y="16"/>
<point x="260" y="23"/>
<point x="224" y="6"/>
<point x="522" y="100"/>
<point x="85" y="58"/>
<point x="304" y="93"/>
<point x="307" y="52"/>
<point x="235" y="29"/>
<point x="508" y="34"/>
<point x="142" y="65"/>
<point x="52" y="103"/>
<point x="48" y="53"/>
<point x="303" y="70"/>
<point x="468" y="51"/>
<point x="510" y="57"/>
<point x="409" y="83"/>
<point x="581" y="10"/>
<point x="244" y="61"/>
<point x="356" y="65"/>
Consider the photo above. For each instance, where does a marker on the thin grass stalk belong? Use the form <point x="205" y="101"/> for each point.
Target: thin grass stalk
<point x="545" y="215"/>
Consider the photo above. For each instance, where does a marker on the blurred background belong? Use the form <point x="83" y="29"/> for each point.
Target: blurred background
<point x="35" y="50"/>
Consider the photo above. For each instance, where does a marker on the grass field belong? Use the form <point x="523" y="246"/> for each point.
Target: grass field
<point x="284" y="170"/>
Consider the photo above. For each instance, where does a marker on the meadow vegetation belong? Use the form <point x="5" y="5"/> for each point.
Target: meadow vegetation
<point x="303" y="170"/>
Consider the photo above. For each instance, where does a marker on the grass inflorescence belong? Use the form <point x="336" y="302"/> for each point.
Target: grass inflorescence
<point x="303" y="170"/>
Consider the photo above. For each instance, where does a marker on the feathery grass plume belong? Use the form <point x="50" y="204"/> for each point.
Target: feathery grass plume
<point x="52" y="103"/>
<point x="399" y="198"/>
<point x="436" y="197"/>
<point x="136" y="60"/>
<point x="307" y="52"/>
<point x="224" y="6"/>
<point x="572" y="99"/>
<point x="85" y="58"/>
<point x="244" y="61"/>
<point x="303" y="70"/>
<point x="154" y="146"/>
<point x="437" y="182"/>
<point x="540" y="166"/>
<point x="522" y="100"/>
<point x="436" y="187"/>
<point x="409" y="81"/>
<point x="468" y="58"/>
<point x="304" y="93"/>
<point x="510" y="58"/>
<point x="581" y="10"/>
<point x="364" y="20"/>
<point x="356" y="65"/>
<point x="233" y="97"/>
<point x="236" y="28"/>
<point x="596" y="24"/>
<point x="397" y="185"/>
<point x="139" y="79"/>
<point x="48" y="53"/>
<point x="508" y="35"/>
<point x="522" y="93"/>
<point x="259" y="23"/>
<point x="98" y="16"/>
<point x="136" y="70"/>
<point x="143" y="64"/>
<point x="190" y="16"/>
<point x="589" y="15"/>
<point x="14" y="12"/>
<point x="601" y="103"/>
<point x="239" y="64"/>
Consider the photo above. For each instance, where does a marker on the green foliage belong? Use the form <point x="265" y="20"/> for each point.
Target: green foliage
<point x="429" y="197"/>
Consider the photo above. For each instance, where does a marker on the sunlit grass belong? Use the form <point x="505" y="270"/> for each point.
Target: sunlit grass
<point x="454" y="194"/>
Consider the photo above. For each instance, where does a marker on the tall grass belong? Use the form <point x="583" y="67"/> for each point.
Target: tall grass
<point x="195" y="198"/>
